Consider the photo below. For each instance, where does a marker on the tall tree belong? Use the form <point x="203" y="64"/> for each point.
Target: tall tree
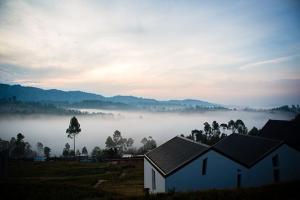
<point x="215" y="129"/>
<point x="73" y="130"/>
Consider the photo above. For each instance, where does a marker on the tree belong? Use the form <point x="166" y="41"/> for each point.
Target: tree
<point x="240" y="127"/>
<point x="117" y="138"/>
<point x="96" y="153"/>
<point x="207" y="130"/>
<point x="78" y="152"/>
<point x="216" y="129"/>
<point x="66" y="151"/>
<point x="40" y="148"/>
<point x="47" y="151"/>
<point x="231" y="125"/>
<point x="110" y="143"/>
<point x="144" y="141"/>
<point x="254" y="131"/>
<point x="129" y="142"/>
<point x="148" y="144"/>
<point x="84" y="151"/>
<point x="73" y="130"/>
<point x="19" y="148"/>
<point x="224" y="127"/>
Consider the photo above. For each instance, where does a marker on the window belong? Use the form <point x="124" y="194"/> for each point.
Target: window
<point x="276" y="175"/>
<point x="275" y="161"/>
<point x="204" y="166"/>
<point x="239" y="180"/>
<point x="153" y="180"/>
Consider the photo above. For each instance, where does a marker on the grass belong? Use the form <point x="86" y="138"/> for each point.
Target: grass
<point x="72" y="180"/>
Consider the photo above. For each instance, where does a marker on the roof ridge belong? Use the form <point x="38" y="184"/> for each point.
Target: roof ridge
<point x="190" y="140"/>
<point x="258" y="137"/>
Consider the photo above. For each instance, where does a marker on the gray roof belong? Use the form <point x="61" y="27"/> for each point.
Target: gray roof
<point x="175" y="153"/>
<point x="245" y="149"/>
<point x="288" y="131"/>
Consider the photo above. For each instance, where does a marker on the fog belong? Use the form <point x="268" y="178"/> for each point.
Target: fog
<point x="50" y="130"/>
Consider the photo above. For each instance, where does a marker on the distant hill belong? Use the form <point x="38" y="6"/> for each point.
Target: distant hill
<point x="82" y="99"/>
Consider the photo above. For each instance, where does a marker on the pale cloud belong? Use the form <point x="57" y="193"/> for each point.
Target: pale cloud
<point x="270" y="61"/>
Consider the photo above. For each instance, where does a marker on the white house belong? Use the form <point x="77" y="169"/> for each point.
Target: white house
<point x="236" y="161"/>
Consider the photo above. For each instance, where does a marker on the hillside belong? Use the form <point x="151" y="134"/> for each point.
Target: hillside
<point x="79" y="99"/>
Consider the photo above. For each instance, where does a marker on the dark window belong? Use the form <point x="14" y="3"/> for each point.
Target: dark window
<point x="276" y="175"/>
<point x="204" y="166"/>
<point x="275" y="161"/>
<point x="153" y="180"/>
<point x="239" y="180"/>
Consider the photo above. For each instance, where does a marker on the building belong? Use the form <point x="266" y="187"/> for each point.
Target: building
<point x="236" y="161"/>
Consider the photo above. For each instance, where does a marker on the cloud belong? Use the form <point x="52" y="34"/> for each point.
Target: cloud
<point x="149" y="48"/>
<point x="267" y="62"/>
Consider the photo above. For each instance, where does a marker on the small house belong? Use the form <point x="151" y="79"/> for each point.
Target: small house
<point x="238" y="160"/>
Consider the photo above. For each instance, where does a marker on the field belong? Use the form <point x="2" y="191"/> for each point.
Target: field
<point x="74" y="180"/>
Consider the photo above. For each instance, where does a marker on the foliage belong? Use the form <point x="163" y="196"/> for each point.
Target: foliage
<point x="254" y="131"/>
<point x="47" y="151"/>
<point x="19" y="149"/>
<point x="117" y="144"/>
<point x="66" y="151"/>
<point x="84" y="151"/>
<point x="73" y="180"/>
<point x="148" y="144"/>
<point x="73" y="130"/>
<point x="40" y="148"/>
<point x="211" y="134"/>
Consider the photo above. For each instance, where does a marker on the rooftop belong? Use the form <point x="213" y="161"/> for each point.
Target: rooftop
<point x="175" y="153"/>
<point x="288" y="131"/>
<point x="245" y="149"/>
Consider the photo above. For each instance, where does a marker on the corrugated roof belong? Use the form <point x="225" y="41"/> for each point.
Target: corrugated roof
<point x="175" y="153"/>
<point x="288" y="131"/>
<point x="245" y="149"/>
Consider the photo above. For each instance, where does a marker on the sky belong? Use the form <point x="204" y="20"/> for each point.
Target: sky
<point x="229" y="52"/>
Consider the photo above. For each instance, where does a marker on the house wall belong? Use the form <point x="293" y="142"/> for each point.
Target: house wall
<point x="160" y="180"/>
<point x="221" y="173"/>
<point x="289" y="167"/>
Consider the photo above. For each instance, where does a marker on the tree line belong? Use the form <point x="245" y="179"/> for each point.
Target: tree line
<point x="115" y="146"/>
<point x="213" y="133"/>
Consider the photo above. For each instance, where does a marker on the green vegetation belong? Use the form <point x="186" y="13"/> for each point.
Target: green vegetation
<point x="211" y="134"/>
<point x="15" y="107"/>
<point x="73" y="130"/>
<point x="73" y="180"/>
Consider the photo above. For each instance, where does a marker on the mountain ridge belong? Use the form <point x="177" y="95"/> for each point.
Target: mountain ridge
<point x="28" y="93"/>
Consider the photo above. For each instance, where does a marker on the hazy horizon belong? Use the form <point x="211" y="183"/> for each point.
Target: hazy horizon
<point x="95" y="129"/>
<point x="243" y="53"/>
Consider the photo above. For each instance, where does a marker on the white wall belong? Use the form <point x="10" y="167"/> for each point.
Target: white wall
<point x="160" y="180"/>
<point x="221" y="173"/>
<point x="289" y="167"/>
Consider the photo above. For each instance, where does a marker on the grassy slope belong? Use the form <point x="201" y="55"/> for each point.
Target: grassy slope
<point x="73" y="180"/>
